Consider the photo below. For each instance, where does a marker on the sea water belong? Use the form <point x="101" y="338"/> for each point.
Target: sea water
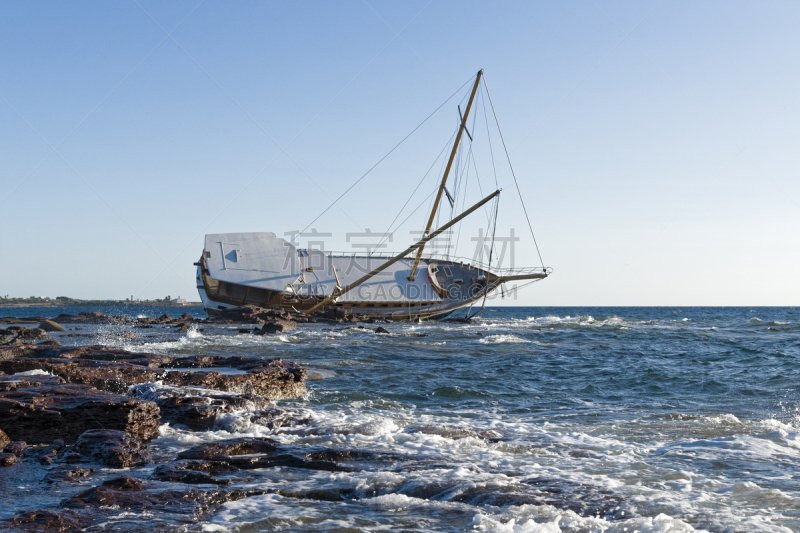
<point x="525" y="420"/>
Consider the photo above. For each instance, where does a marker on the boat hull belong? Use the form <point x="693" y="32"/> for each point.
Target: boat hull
<point x="441" y="288"/>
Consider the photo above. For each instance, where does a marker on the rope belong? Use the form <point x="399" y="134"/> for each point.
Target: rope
<point x="512" y="172"/>
<point x="384" y="157"/>
<point x="388" y="231"/>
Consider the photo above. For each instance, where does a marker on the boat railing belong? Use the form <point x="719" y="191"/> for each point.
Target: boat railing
<point x="438" y="256"/>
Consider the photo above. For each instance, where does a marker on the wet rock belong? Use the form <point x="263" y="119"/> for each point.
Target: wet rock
<point x="49" y="325"/>
<point x="52" y="409"/>
<point x="14" y="330"/>
<point x="457" y="432"/>
<point x="69" y="473"/>
<point x="112" y="448"/>
<point x="274" y="379"/>
<point x="185" y="328"/>
<point x="278" y="325"/>
<point x="381" y="329"/>
<point x="195" y="408"/>
<point x="4" y="440"/>
<point x="252" y="453"/>
<point x="115" y="370"/>
<point x="274" y="418"/>
<point x="8" y="459"/>
<point x="244" y="331"/>
<point x="176" y="474"/>
<point x="16" y="447"/>
<point x="222" y="450"/>
<point x="33" y="334"/>
<point x="43" y="521"/>
<point x="50" y="453"/>
<point x="49" y="343"/>
<point x="167" y="509"/>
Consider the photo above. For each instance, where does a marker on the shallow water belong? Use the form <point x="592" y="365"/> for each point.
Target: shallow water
<point x="527" y="420"/>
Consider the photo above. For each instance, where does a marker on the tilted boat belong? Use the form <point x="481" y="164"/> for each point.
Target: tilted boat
<point x="263" y="269"/>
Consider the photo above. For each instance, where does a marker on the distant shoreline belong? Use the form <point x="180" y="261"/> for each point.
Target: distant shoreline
<point x="101" y="304"/>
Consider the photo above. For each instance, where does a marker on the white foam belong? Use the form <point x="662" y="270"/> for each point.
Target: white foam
<point x="36" y="372"/>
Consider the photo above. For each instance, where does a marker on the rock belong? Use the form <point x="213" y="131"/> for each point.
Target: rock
<point x="335" y="313"/>
<point x="49" y="325"/>
<point x="50" y="453"/>
<point x="32" y="334"/>
<point x="49" y="409"/>
<point x="274" y="418"/>
<point x="112" y="448"/>
<point x="254" y="452"/>
<point x="277" y="325"/>
<point x="69" y="473"/>
<point x="115" y="370"/>
<point x="43" y="521"/>
<point x="380" y="329"/>
<point x="49" y="343"/>
<point x="275" y="380"/>
<point x="8" y="459"/>
<point x="167" y="509"/>
<point x="4" y="440"/>
<point x="185" y="328"/>
<point x="176" y="474"/>
<point x="244" y="331"/>
<point x="16" y="329"/>
<point x="16" y="447"/>
<point x="196" y="409"/>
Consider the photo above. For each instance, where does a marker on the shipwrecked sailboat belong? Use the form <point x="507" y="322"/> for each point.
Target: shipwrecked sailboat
<point x="265" y="270"/>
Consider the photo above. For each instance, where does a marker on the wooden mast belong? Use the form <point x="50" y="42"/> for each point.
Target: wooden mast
<point x="446" y="173"/>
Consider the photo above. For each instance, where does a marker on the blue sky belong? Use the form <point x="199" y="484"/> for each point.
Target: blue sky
<point x="655" y="142"/>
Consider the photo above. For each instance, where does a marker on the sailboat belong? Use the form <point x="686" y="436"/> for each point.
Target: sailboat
<point x="262" y="269"/>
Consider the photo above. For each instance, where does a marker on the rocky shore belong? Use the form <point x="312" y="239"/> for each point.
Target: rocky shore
<point x="72" y="416"/>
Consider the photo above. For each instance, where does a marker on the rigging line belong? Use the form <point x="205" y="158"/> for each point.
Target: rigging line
<point x="388" y="231"/>
<point x="463" y="203"/>
<point x="512" y="172"/>
<point x="489" y="136"/>
<point x="385" y="156"/>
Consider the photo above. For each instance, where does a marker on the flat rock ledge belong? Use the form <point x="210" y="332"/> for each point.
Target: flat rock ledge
<point x="97" y="387"/>
<point x="41" y="409"/>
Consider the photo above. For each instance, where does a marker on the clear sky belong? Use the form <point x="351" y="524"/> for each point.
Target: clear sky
<point x="656" y="143"/>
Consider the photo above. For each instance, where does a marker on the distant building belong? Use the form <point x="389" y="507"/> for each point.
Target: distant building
<point x="178" y="300"/>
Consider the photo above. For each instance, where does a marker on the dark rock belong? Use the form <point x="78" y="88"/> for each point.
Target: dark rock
<point x="49" y="325"/>
<point x="32" y="334"/>
<point x="176" y="474"/>
<point x="49" y="343"/>
<point x="244" y="331"/>
<point x="69" y="473"/>
<point x="115" y="370"/>
<point x="274" y="418"/>
<point x="8" y="459"/>
<point x="278" y="325"/>
<point x="50" y="453"/>
<point x="197" y="409"/>
<point x="335" y="313"/>
<point x="185" y="328"/>
<point x="166" y="509"/>
<point x="115" y="449"/>
<point x="251" y="453"/>
<point x="222" y="450"/>
<point x="275" y="380"/>
<point x="16" y="329"/>
<point x="16" y="447"/>
<point x="44" y="521"/>
<point x="380" y="329"/>
<point x="52" y="409"/>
